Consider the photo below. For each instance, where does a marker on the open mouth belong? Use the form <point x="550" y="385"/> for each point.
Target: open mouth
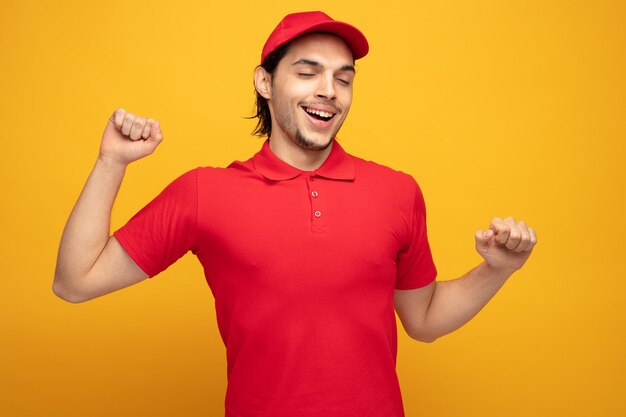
<point x="319" y="114"/>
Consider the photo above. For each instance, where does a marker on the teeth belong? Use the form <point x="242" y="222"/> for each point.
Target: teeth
<point x="319" y="113"/>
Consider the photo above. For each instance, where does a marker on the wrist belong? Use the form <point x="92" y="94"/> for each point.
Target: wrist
<point x="500" y="273"/>
<point x="111" y="164"/>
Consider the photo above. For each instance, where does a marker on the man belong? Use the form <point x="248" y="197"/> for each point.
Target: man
<point x="306" y="248"/>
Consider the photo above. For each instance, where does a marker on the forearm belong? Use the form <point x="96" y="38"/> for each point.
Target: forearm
<point x="87" y="229"/>
<point x="455" y="302"/>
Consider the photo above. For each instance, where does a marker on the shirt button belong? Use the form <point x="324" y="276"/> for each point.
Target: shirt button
<point x="314" y="194"/>
<point x="317" y="213"/>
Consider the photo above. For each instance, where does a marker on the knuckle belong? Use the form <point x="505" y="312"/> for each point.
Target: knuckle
<point x="119" y="115"/>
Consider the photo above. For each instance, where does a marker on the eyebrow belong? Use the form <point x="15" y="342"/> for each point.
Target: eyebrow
<point x="305" y="61"/>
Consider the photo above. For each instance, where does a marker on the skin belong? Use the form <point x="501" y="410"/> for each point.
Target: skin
<point x="90" y="263"/>
<point x="317" y="72"/>
<point x="441" y="307"/>
<point x="314" y="73"/>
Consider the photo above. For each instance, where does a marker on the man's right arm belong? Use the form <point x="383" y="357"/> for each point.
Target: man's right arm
<point x="90" y="262"/>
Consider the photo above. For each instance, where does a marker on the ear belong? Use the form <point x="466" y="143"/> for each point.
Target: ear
<point x="263" y="82"/>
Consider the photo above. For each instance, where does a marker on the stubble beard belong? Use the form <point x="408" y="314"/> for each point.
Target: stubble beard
<point x="288" y="125"/>
<point x="303" y="142"/>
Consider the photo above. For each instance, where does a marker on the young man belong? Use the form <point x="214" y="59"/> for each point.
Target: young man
<point x="306" y="248"/>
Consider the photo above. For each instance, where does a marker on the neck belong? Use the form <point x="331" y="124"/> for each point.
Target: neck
<point x="296" y="156"/>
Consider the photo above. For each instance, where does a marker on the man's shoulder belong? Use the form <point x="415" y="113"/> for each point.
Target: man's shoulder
<point x="233" y="169"/>
<point x="381" y="173"/>
<point x="220" y="176"/>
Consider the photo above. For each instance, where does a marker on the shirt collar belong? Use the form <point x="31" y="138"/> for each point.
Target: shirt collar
<point x="339" y="165"/>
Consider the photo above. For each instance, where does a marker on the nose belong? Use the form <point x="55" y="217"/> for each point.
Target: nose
<point x="326" y="87"/>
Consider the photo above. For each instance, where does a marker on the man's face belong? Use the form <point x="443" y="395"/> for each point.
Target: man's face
<point x="311" y="90"/>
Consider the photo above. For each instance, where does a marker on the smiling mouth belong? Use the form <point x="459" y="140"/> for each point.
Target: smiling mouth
<point x="319" y="114"/>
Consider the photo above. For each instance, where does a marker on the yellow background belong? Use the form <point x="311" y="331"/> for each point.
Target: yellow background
<point x="496" y="108"/>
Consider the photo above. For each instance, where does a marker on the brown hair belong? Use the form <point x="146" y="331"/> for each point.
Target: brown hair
<point x="264" y="124"/>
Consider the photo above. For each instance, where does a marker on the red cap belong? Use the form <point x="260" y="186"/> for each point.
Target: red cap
<point x="296" y="24"/>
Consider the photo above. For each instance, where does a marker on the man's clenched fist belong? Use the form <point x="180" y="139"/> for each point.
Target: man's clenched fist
<point x="507" y="244"/>
<point x="128" y="137"/>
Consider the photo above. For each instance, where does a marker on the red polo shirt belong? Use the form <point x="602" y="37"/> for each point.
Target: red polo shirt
<point x="303" y="266"/>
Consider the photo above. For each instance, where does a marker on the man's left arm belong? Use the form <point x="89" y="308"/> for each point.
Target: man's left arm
<point x="439" y="308"/>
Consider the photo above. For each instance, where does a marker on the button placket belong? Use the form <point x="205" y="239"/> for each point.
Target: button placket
<point x="318" y="220"/>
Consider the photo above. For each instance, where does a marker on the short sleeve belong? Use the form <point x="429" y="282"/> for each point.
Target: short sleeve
<point x="415" y="267"/>
<point x="165" y="229"/>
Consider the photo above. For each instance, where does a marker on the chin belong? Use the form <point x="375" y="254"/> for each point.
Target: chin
<point x="305" y="143"/>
